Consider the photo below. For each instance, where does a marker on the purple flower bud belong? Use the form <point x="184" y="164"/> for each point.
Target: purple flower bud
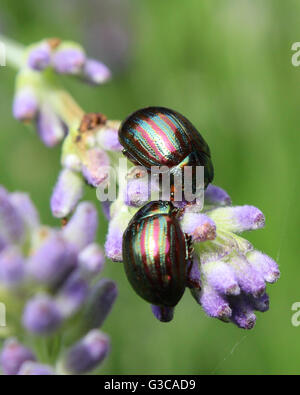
<point x="35" y="369"/>
<point x="242" y="313"/>
<point x="248" y="278"/>
<point x="221" y="277"/>
<point x="67" y="193"/>
<point x="96" y="72"/>
<point x="163" y="313"/>
<point x="54" y="259"/>
<point x="95" y="167"/>
<point x="114" y="240"/>
<point x="137" y="192"/>
<point x="68" y="60"/>
<point x="214" y="304"/>
<point x="261" y="303"/>
<point x="13" y="355"/>
<point x="12" y="267"/>
<point x="238" y="219"/>
<point x="39" y="57"/>
<point x="99" y="303"/>
<point x="216" y="196"/>
<point x="199" y="226"/>
<point x="194" y="275"/>
<point x="87" y="354"/>
<point x="11" y="223"/>
<point x="82" y="227"/>
<point x="26" y="209"/>
<point x="264" y="265"/>
<point x="49" y="126"/>
<point x="25" y="105"/>
<point x="109" y="140"/>
<point x="73" y="294"/>
<point x="91" y="259"/>
<point x="41" y="315"/>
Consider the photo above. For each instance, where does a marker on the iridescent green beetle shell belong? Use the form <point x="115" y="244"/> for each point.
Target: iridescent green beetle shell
<point x="155" y="254"/>
<point x="158" y="136"/>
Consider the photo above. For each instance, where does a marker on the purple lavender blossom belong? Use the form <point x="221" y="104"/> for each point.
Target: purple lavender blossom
<point x="39" y="56"/>
<point x="12" y="267"/>
<point x="87" y="354"/>
<point x="68" y="60"/>
<point x="109" y="140"/>
<point x="25" y="105"/>
<point x="199" y="226"/>
<point x="216" y="196"/>
<point x="13" y="355"/>
<point x="41" y="315"/>
<point x="96" y="72"/>
<point x="67" y="193"/>
<point x="95" y="167"/>
<point x="82" y="227"/>
<point x="26" y="209"/>
<point x="239" y="218"/>
<point x="91" y="259"/>
<point x="49" y="126"/>
<point x="73" y="294"/>
<point x="99" y="304"/>
<point x="114" y="240"/>
<point x="55" y="258"/>
<point x="137" y="192"/>
<point x="11" y="223"/>
<point x="35" y="369"/>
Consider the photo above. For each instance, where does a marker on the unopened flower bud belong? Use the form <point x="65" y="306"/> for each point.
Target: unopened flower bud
<point x="67" y="193"/>
<point x="87" y="354"/>
<point x="13" y="355"/>
<point x="41" y="315"/>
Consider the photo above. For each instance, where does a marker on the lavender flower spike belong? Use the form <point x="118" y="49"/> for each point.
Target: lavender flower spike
<point x="238" y="219"/>
<point x="68" y="58"/>
<point x="52" y="261"/>
<point x="67" y="193"/>
<point x="39" y="56"/>
<point x="87" y="354"/>
<point x="13" y="355"/>
<point x="35" y="369"/>
<point x="91" y="259"/>
<point x="41" y="315"/>
<point x="96" y="72"/>
<point x="12" y="267"/>
<point x="82" y="227"/>
<point x="25" y="105"/>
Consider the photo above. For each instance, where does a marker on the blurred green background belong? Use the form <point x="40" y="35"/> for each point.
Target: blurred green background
<point x="226" y="65"/>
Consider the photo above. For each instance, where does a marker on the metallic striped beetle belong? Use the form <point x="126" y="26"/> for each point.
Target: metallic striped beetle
<point x="158" y="136"/>
<point x="156" y="254"/>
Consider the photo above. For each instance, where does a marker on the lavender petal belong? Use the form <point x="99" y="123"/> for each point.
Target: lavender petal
<point x="67" y="193"/>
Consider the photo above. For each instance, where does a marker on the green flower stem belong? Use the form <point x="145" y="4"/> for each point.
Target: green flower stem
<point x="14" y="52"/>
